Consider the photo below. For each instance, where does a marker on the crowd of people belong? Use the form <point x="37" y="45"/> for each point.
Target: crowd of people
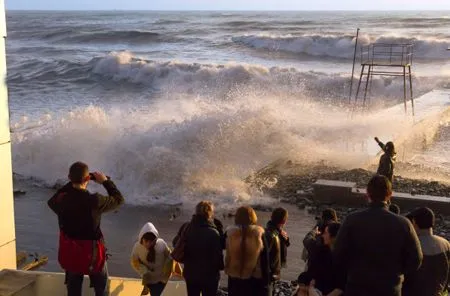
<point x="374" y="251"/>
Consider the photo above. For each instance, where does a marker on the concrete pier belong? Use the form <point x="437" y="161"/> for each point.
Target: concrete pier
<point x="347" y="194"/>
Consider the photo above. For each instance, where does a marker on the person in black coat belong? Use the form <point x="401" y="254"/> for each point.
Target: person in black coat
<point x="376" y="247"/>
<point x="203" y="252"/>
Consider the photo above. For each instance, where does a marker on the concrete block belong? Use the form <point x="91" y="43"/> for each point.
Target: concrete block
<point x="7" y="229"/>
<point x="406" y="201"/>
<point x="51" y="283"/>
<point x="346" y="194"/>
<point x="329" y="191"/>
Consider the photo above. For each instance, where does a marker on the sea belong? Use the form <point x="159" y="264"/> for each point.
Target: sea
<point x="177" y="107"/>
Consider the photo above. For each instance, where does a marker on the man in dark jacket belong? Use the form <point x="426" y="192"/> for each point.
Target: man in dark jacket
<point x="387" y="160"/>
<point x="277" y="243"/>
<point x="203" y="255"/>
<point x="79" y="214"/>
<point x="432" y="278"/>
<point x="375" y="247"/>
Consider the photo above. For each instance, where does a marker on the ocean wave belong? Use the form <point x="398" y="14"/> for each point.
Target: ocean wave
<point x="86" y="34"/>
<point x="341" y="46"/>
<point x="213" y="79"/>
<point x="130" y="36"/>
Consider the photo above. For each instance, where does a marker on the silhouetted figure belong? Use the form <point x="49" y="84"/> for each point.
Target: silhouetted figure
<point x="387" y="160"/>
<point x="432" y="278"/>
<point x="375" y="247"/>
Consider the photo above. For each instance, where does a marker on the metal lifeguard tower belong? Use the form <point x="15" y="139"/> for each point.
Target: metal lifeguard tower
<point x="385" y="60"/>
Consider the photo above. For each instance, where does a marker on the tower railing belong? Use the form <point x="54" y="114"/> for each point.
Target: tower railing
<point x="381" y="59"/>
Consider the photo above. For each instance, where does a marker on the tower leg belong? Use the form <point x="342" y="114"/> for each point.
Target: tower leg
<point x="411" y="89"/>
<point x="367" y="84"/>
<point x="404" y="87"/>
<point x="359" y="83"/>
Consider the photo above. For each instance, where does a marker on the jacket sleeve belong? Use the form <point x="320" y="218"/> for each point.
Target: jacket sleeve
<point x="168" y="264"/>
<point x="110" y="202"/>
<point x="274" y="254"/>
<point x="54" y="202"/>
<point x="218" y="250"/>
<point x="177" y="237"/>
<point x="342" y="248"/>
<point x="137" y="265"/>
<point x="412" y="253"/>
<point x="382" y="146"/>
<point x="310" y="241"/>
<point x="219" y="227"/>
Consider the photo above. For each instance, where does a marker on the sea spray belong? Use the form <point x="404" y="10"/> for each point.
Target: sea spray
<point x="196" y="147"/>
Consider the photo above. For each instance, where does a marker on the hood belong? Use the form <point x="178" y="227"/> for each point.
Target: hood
<point x="148" y="227"/>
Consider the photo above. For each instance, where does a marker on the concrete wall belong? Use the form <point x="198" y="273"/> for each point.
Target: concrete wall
<point x="7" y="230"/>
<point x="20" y="283"/>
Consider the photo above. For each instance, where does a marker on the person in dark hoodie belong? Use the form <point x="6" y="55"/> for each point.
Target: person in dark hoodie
<point x="203" y="252"/>
<point x="387" y="160"/>
<point x="81" y="245"/>
<point x="374" y="247"/>
<point x="432" y="278"/>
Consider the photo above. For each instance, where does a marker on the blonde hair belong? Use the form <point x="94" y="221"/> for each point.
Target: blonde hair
<point x="205" y="208"/>
<point x="245" y="216"/>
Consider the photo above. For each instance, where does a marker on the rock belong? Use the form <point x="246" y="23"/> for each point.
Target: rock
<point x="19" y="192"/>
<point x="307" y="201"/>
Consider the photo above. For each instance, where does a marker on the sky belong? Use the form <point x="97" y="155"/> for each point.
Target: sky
<point x="228" y="4"/>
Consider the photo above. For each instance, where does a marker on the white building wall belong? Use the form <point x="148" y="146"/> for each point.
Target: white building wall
<point x="7" y="229"/>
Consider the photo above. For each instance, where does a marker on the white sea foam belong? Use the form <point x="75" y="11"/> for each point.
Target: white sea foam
<point x="188" y="148"/>
<point x="342" y="46"/>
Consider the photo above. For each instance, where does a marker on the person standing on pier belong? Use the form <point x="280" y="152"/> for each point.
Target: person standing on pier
<point x="387" y="160"/>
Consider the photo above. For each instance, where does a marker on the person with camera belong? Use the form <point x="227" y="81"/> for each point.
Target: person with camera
<point x="313" y="239"/>
<point x="82" y="249"/>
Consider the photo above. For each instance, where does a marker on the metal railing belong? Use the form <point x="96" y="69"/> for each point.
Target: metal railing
<point x="383" y="54"/>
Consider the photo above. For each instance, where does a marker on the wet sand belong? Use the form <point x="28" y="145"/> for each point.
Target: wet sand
<point x="37" y="229"/>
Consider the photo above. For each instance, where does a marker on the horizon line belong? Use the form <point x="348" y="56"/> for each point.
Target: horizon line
<point x="233" y="10"/>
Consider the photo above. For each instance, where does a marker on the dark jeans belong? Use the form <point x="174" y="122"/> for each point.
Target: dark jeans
<point x="207" y="288"/>
<point x="248" y="287"/>
<point x="156" y="289"/>
<point x="375" y="290"/>
<point x="99" y="281"/>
